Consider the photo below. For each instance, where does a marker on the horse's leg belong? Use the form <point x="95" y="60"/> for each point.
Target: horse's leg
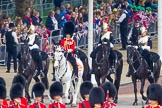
<point x="135" y="90"/>
<point x="109" y="78"/>
<point x="27" y="88"/>
<point x="67" y="87"/>
<point x="142" y="89"/>
<point x="118" y="78"/>
<point x="97" y="79"/>
<point x="45" y="79"/>
<point x="77" y="88"/>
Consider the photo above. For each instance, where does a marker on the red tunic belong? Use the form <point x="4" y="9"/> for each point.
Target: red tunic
<point x="153" y="107"/>
<point x="17" y="106"/>
<point x="107" y="104"/>
<point x="5" y="102"/>
<point x="40" y="105"/>
<point x="56" y="105"/>
<point x="24" y="102"/>
<point x="67" y="44"/>
<point x="85" y="103"/>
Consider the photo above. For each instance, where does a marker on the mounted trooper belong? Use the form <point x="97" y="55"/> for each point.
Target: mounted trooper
<point x="35" y="51"/>
<point x="107" y="35"/>
<point x="145" y="44"/>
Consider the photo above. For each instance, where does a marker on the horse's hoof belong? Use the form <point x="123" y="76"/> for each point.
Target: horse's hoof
<point x="135" y="104"/>
<point x="73" y="105"/>
<point x="144" y="98"/>
<point x="147" y="101"/>
<point x="67" y="103"/>
<point x="116" y="101"/>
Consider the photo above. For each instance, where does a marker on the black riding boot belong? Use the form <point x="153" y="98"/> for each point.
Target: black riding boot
<point x="112" y="61"/>
<point x="40" y="68"/>
<point x="128" y="73"/>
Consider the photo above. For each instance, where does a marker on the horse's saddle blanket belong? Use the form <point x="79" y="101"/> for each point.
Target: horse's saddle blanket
<point x="44" y="55"/>
<point x="155" y="56"/>
<point x="119" y="54"/>
<point x="79" y="64"/>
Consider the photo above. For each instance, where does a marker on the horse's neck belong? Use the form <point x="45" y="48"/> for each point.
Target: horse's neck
<point x="63" y="64"/>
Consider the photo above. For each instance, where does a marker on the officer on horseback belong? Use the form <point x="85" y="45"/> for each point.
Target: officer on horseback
<point x="145" y="45"/>
<point x="35" y="51"/>
<point x="106" y="36"/>
<point x="68" y="44"/>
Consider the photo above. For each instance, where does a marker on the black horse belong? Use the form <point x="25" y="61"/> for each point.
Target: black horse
<point x="101" y="67"/>
<point x="82" y="56"/>
<point x="138" y="69"/>
<point x="27" y="68"/>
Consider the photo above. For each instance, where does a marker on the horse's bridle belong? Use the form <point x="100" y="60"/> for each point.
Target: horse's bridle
<point x="131" y="61"/>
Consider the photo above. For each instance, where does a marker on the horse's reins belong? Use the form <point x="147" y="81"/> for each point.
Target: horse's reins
<point x="131" y="63"/>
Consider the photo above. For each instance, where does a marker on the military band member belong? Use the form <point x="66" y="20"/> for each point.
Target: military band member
<point x="37" y="93"/>
<point x="68" y="44"/>
<point x="56" y="92"/>
<point x="110" y="93"/>
<point x="84" y="92"/>
<point x="16" y="94"/>
<point x="96" y="97"/>
<point x="3" y="101"/>
<point x="21" y="80"/>
<point x="154" y="96"/>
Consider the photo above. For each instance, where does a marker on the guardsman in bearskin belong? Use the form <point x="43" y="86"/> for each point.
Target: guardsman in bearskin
<point x="37" y="93"/>
<point x="16" y="93"/>
<point x="110" y="93"/>
<point x="96" y="97"/>
<point x="21" y="80"/>
<point x="84" y="92"/>
<point x="35" y="51"/>
<point x="154" y="95"/>
<point x="3" y="101"/>
<point x="56" y="92"/>
<point x="68" y="44"/>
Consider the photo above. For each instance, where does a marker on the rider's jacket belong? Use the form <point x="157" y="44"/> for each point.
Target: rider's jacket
<point x="143" y="42"/>
<point x="33" y="41"/>
<point x="67" y="44"/>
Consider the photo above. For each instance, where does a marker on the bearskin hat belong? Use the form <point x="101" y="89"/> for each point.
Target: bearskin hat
<point x="16" y="91"/>
<point x="56" y="89"/>
<point x="109" y="87"/>
<point x="69" y="28"/>
<point x="38" y="89"/>
<point x="96" y="96"/>
<point x="2" y="92"/>
<point x="154" y="92"/>
<point x="2" y="81"/>
<point x="85" y="88"/>
<point x="19" y="79"/>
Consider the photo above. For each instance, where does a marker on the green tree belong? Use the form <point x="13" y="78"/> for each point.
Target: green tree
<point x="21" y="5"/>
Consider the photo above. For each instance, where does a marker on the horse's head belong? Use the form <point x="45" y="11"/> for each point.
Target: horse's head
<point x="24" y="51"/>
<point x="58" y="56"/>
<point x="131" y="52"/>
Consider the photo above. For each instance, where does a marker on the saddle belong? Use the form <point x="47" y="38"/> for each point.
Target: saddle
<point x="79" y="64"/>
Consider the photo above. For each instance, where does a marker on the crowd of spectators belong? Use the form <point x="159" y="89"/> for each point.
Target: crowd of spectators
<point x="103" y="12"/>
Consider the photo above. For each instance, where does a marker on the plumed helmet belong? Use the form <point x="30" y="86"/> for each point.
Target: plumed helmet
<point x="96" y="96"/>
<point x="105" y="25"/>
<point x="85" y="88"/>
<point x="2" y="92"/>
<point x="56" y="89"/>
<point x="110" y="88"/>
<point x="143" y="29"/>
<point x="154" y="92"/>
<point x="16" y="91"/>
<point x="19" y="79"/>
<point x="69" y="28"/>
<point x="32" y="27"/>
<point x="38" y="89"/>
<point x="2" y="81"/>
